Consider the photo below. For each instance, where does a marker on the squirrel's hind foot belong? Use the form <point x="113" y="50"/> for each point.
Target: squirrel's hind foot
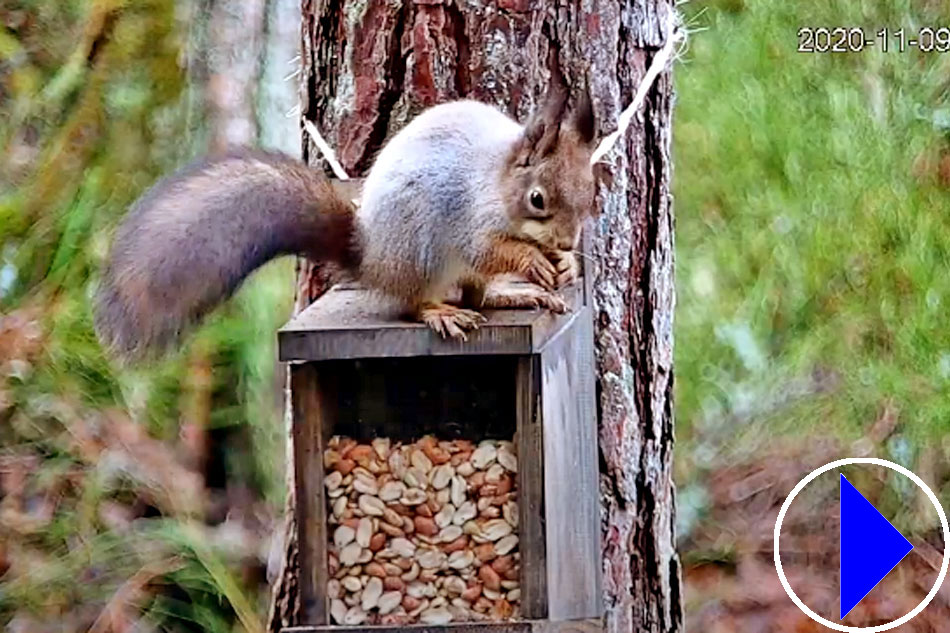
<point x="449" y="320"/>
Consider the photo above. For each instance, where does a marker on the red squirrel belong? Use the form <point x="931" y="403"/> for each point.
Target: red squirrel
<point x="461" y="194"/>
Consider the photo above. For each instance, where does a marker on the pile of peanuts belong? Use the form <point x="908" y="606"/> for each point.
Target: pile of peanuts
<point x="423" y="532"/>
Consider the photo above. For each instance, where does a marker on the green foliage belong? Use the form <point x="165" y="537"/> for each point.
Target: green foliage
<point x="95" y="105"/>
<point x="120" y="131"/>
<point x="812" y="233"/>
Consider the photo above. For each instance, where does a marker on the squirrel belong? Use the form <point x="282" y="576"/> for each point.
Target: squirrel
<point x="463" y="193"/>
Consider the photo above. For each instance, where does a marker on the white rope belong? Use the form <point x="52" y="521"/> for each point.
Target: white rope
<point x="658" y="65"/>
<point x="325" y="149"/>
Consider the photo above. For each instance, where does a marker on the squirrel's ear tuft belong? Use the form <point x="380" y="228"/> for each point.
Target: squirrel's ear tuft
<point x="541" y="132"/>
<point x="582" y="120"/>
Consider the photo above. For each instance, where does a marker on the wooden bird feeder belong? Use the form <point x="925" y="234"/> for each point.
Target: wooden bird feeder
<point x="359" y="371"/>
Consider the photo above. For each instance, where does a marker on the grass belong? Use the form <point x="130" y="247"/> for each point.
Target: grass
<point x="82" y="136"/>
<point x="813" y="238"/>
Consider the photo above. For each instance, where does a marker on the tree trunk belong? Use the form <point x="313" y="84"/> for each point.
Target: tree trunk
<point x="370" y="67"/>
<point x="279" y="95"/>
<point x="225" y="50"/>
<point x="236" y="32"/>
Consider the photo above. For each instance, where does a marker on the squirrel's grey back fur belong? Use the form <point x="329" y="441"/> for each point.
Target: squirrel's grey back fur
<point x="434" y="190"/>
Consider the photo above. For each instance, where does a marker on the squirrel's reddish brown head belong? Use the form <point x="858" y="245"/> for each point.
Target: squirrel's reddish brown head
<point x="550" y="184"/>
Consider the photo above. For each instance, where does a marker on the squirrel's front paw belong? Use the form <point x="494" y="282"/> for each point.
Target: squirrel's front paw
<point x="449" y="320"/>
<point x="537" y="268"/>
<point x="568" y="268"/>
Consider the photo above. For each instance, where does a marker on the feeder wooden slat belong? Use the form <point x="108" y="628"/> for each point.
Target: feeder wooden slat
<point x="530" y="440"/>
<point x="571" y="486"/>
<point x="591" y="625"/>
<point x="525" y="375"/>
<point x="308" y="438"/>
<point x="351" y="322"/>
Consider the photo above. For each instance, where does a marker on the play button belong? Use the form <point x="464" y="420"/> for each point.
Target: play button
<point x="870" y="547"/>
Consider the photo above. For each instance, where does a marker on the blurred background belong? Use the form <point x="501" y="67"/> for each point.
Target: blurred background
<point x="812" y="250"/>
<point x="813" y="243"/>
<point x="150" y="499"/>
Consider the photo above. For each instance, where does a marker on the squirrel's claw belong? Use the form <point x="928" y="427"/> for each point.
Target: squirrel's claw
<point x="540" y="270"/>
<point x="554" y="303"/>
<point x="568" y="270"/>
<point x="449" y="320"/>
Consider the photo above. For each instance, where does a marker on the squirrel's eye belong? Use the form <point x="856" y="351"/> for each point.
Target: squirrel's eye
<point x="536" y="199"/>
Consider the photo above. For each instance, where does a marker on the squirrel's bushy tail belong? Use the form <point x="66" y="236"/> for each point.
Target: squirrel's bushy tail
<point x="190" y="241"/>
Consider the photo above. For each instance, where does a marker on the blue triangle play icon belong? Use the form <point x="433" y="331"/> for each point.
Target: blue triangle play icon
<point x="870" y="547"/>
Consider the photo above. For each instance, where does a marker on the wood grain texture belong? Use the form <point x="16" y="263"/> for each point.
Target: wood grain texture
<point x="522" y="626"/>
<point x="529" y="440"/>
<point x="587" y="274"/>
<point x="591" y="625"/>
<point x="349" y="322"/>
<point x="571" y="504"/>
<point x="311" y="521"/>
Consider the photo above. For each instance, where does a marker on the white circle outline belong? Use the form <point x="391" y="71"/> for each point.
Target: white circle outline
<point x="877" y="462"/>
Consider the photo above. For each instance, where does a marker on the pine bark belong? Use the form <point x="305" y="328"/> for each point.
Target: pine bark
<point x="368" y="68"/>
